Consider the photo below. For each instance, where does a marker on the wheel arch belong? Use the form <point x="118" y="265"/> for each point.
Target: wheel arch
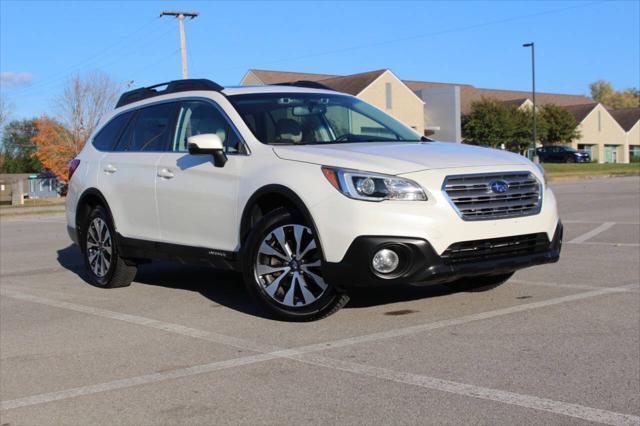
<point x="269" y="198"/>
<point x="90" y="198"/>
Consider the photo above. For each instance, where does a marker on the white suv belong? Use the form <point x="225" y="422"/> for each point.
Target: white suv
<point x="306" y="191"/>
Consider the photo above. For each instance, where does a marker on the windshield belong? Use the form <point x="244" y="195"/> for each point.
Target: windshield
<point x="307" y="118"/>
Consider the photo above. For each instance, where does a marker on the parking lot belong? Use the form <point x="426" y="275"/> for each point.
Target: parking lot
<point x="558" y="344"/>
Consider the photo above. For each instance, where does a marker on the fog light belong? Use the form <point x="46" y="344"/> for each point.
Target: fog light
<point x="385" y="261"/>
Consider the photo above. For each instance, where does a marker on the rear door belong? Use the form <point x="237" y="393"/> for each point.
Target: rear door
<point x="127" y="175"/>
<point x="197" y="201"/>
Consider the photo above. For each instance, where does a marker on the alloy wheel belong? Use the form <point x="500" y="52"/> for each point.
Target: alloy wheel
<point x="287" y="266"/>
<point x="99" y="247"/>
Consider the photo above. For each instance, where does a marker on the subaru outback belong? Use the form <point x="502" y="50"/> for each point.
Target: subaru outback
<point x="305" y="191"/>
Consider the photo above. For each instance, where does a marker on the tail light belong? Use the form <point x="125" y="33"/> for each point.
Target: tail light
<point x="73" y="166"/>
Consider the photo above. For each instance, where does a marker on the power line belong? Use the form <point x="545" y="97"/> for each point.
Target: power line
<point x="67" y="70"/>
<point x="419" y="36"/>
<point x="141" y="43"/>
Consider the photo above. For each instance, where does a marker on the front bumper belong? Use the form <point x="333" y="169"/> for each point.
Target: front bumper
<point x="421" y="265"/>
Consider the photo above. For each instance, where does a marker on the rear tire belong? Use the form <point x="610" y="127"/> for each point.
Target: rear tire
<point x="105" y="266"/>
<point x="281" y="263"/>
<point x="480" y="283"/>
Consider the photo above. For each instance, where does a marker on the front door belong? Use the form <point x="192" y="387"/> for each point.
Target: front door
<point x="610" y="154"/>
<point x="197" y="201"/>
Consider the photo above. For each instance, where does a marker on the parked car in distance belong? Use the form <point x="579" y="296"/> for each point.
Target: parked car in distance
<point x="306" y="191"/>
<point x="562" y="154"/>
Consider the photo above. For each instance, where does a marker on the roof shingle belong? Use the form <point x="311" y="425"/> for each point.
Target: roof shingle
<point x="580" y="111"/>
<point x="352" y="84"/>
<point x="626" y="117"/>
<point x="273" y="77"/>
<point x="355" y="83"/>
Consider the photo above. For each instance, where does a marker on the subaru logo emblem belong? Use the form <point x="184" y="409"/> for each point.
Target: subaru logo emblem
<point x="499" y="186"/>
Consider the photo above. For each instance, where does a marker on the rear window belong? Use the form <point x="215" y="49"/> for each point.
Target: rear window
<point x="152" y="128"/>
<point x="106" y="139"/>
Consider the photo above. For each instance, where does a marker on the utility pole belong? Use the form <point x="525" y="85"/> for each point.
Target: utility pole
<point x="533" y="77"/>
<point x="183" y="47"/>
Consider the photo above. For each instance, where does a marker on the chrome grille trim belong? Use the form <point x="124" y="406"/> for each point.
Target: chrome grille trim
<point x="472" y="198"/>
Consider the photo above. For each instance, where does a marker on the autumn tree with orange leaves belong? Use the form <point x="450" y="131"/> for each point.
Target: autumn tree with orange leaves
<point x="56" y="146"/>
<point x="83" y="101"/>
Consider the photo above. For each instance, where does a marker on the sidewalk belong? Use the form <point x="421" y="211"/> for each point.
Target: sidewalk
<point x="55" y="207"/>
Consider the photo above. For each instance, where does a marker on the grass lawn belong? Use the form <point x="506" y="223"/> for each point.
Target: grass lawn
<point x="590" y="169"/>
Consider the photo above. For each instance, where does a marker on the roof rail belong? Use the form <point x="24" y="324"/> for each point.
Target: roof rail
<point x="172" y="87"/>
<point x="305" y="83"/>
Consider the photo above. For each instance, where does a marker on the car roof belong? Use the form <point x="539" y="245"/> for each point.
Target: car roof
<point x="227" y="91"/>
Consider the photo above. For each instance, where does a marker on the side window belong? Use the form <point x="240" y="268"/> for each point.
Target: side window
<point x="107" y="138"/>
<point x="197" y="118"/>
<point x="152" y="128"/>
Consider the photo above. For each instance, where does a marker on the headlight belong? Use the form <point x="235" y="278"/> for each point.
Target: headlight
<point x="544" y="176"/>
<point x="372" y="186"/>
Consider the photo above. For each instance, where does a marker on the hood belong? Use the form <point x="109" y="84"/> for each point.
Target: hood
<point x="398" y="157"/>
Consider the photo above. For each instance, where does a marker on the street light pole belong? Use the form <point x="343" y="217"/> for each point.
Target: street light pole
<point x="533" y="78"/>
<point x="183" y="44"/>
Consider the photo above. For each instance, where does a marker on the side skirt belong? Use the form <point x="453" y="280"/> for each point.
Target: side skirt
<point x="140" y="251"/>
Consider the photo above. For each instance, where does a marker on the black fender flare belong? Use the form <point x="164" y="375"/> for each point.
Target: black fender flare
<point x="90" y="192"/>
<point x="281" y="190"/>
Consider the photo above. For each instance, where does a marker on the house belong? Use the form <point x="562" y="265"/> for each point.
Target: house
<point x="629" y="120"/>
<point x="600" y="133"/>
<point x="435" y="109"/>
<point x="14" y="187"/>
<point x="442" y="106"/>
<point x="381" y="88"/>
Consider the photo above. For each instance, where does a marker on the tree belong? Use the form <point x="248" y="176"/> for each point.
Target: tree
<point x="602" y="91"/>
<point x="4" y="110"/>
<point x="560" y="125"/>
<point x="521" y="125"/>
<point x="488" y="123"/>
<point x="495" y="123"/>
<point x="83" y="101"/>
<point x="18" y="148"/>
<point x="56" y="146"/>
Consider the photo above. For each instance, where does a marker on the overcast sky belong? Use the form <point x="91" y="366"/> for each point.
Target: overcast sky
<point x="479" y="43"/>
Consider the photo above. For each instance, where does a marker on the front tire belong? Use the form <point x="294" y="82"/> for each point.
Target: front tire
<point x="480" y="283"/>
<point x="106" y="268"/>
<point x="281" y="269"/>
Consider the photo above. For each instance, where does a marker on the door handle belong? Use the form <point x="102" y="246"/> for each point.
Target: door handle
<point x="110" y="169"/>
<point x="165" y="173"/>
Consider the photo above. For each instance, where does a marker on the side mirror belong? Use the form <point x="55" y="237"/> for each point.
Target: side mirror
<point x="208" y="144"/>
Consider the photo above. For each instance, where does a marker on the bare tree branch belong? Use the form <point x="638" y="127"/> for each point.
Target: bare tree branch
<point x="5" y="110"/>
<point x="84" y="100"/>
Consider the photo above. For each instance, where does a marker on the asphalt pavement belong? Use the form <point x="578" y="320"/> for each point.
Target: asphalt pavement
<point x="557" y="344"/>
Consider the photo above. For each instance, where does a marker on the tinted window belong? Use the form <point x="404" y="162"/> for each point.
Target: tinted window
<point x="197" y="118"/>
<point x="106" y="139"/>
<point x="151" y="129"/>
<point x="305" y="118"/>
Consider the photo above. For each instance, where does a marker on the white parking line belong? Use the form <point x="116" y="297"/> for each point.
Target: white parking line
<point x="302" y="354"/>
<point x="593" y="243"/>
<point x="584" y="237"/>
<point x="598" y="221"/>
<point x="572" y="286"/>
<point x="520" y="400"/>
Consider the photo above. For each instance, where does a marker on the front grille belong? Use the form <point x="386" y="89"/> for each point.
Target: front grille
<point x="496" y="248"/>
<point x="474" y="199"/>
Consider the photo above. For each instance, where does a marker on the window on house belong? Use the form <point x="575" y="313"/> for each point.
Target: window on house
<point x="599" y="121"/>
<point x="389" y="95"/>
